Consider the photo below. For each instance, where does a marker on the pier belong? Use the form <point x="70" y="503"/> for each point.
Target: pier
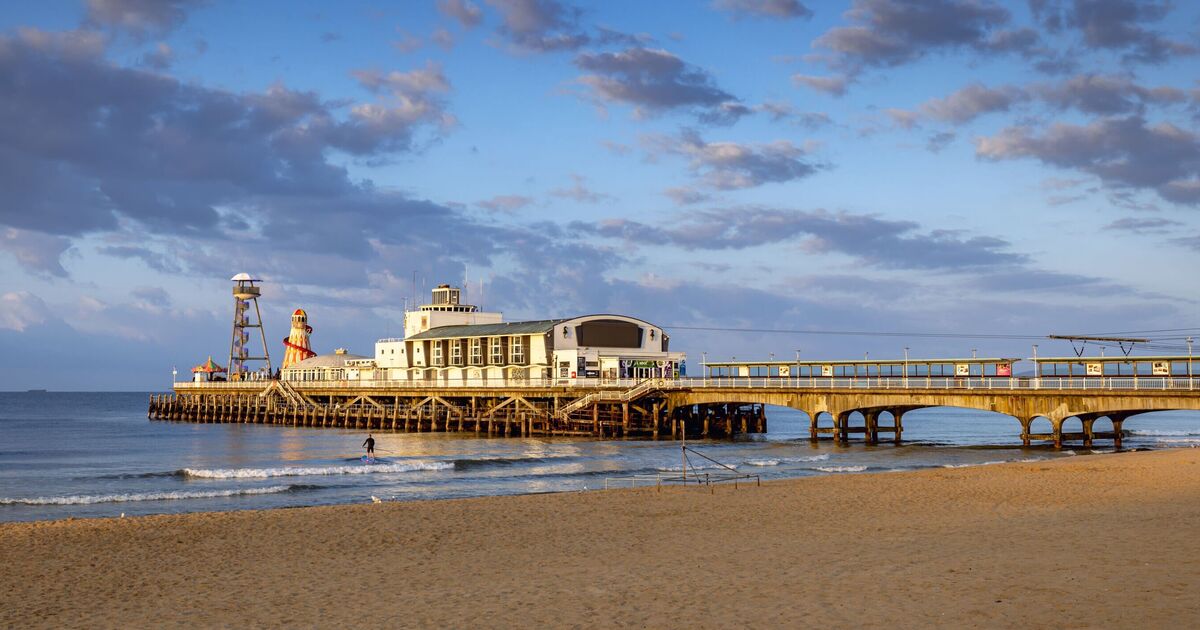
<point x="1054" y="410"/>
<point x="459" y="369"/>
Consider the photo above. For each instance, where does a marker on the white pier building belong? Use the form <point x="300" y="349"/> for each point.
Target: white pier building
<point x="447" y="342"/>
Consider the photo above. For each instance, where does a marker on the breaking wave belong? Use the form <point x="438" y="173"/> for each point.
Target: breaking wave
<point x="1193" y="442"/>
<point x="1158" y="433"/>
<point x="786" y="460"/>
<point x="484" y="462"/>
<point x="692" y="467"/>
<point x="993" y="462"/>
<point x="87" y="499"/>
<point x="304" y="471"/>
<point x="840" y="469"/>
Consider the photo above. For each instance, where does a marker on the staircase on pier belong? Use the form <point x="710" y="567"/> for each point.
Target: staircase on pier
<point x="633" y="393"/>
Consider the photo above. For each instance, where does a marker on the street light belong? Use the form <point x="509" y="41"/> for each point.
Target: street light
<point x="906" y="366"/>
<point x="704" y="364"/>
<point x="1037" y="371"/>
<point x="1189" y="343"/>
<point x="174" y="375"/>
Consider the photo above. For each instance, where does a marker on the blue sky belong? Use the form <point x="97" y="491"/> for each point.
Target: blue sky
<point x="958" y="166"/>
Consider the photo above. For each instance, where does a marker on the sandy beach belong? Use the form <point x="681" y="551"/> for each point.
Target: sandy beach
<point x="1091" y="541"/>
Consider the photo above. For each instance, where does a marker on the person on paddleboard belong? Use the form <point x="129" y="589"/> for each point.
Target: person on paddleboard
<point x="370" y="444"/>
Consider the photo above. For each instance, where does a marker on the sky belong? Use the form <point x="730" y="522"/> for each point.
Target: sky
<point x="959" y="167"/>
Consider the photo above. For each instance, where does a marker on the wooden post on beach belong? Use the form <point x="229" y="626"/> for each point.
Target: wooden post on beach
<point x="596" y="420"/>
<point x="624" y="419"/>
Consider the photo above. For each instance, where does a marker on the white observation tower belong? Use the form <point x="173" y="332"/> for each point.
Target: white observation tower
<point x="245" y="292"/>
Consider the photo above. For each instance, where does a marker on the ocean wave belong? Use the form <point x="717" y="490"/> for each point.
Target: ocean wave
<point x="692" y="467"/>
<point x="970" y="464"/>
<point x="1193" y="442"/>
<point x="482" y="462"/>
<point x="87" y="499"/>
<point x="840" y="469"/>
<point x="996" y="461"/>
<point x="149" y="475"/>
<point x="304" y="471"/>
<point x="1157" y="433"/>
<point x="785" y="460"/>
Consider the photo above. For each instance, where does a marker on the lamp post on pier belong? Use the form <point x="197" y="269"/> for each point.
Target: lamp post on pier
<point x="704" y="364"/>
<point x="1037" y="371"/>
<point x="797" y="374"/>
<point x="906" y="367"/>
<point x="174" y="375"/>
<point x="1189" y="343"/>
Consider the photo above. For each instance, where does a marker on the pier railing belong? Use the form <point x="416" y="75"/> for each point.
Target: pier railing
<point x="1120" y="383"/>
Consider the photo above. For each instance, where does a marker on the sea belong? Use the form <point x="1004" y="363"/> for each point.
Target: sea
<point x="86" y="455"/>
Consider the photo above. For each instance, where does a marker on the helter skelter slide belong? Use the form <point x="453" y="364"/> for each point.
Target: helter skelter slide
<point x="296" y="348"/>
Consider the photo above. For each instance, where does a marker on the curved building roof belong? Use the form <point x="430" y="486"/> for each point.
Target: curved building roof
<point x="335" y="360"/>
<point x="514" y="328"/>
<point x="489" y="330"/>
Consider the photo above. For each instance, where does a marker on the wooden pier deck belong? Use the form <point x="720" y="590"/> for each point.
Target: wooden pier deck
<point x="528" y="410"/>
<point x="678" y="408"/>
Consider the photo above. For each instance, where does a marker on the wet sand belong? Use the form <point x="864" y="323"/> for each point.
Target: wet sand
<point x="1090" y="541"/>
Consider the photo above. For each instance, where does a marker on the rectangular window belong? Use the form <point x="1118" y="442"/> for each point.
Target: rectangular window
<point x="476" y="351"/>
<point x="437" y="353"/>
<point x="497" y="351"/>
<point x="456" y="352"/>
<point x="518" y="350"/>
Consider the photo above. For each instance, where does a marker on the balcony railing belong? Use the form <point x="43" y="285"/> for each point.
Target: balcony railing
<point x="1123" y="383"/>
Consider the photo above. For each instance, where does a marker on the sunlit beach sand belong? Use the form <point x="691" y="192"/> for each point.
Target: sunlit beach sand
<point x="1102" y="541"/>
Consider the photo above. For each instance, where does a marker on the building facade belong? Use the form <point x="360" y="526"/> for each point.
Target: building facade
<point x="339" y="366"/>
<point x="448" y="342"/>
